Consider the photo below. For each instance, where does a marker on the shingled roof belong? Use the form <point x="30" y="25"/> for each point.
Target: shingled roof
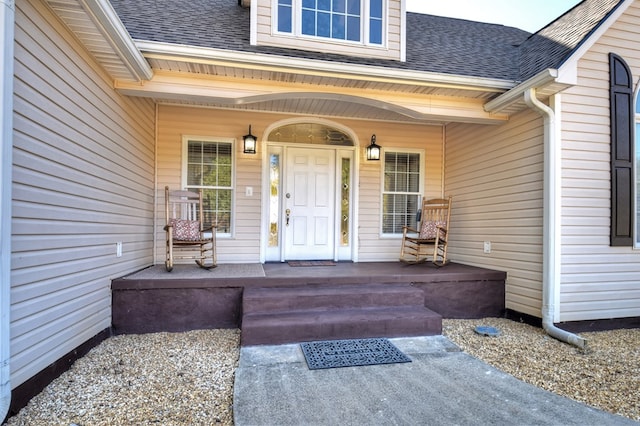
<point x="551" y="46"/>
<point x="434" y="44"/>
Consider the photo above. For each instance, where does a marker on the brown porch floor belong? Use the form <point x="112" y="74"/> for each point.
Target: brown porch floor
<point x="278" y="274"/>
<point x="153" y="300"/>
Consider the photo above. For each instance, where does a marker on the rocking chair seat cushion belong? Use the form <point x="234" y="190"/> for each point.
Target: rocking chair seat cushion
<point x="429" y="229"/>
<point x="185" y="230"/>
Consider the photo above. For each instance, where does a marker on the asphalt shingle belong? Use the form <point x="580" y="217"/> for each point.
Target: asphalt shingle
<point x="434" y="44"/>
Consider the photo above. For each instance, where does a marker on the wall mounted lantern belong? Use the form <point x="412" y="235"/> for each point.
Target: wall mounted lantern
<point x="249" y="143"/>
<point x="373" y="150"/>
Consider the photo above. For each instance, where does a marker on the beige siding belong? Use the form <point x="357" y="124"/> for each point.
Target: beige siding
<point x="82" y="181"/>
<point x="244" y="245"/>
<point x="598" y="281"/>
<point x="494" y="174"/>
<point x="266" y="35"/>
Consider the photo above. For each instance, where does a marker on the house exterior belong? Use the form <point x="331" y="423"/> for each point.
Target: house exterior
<point x="110" y="101"/>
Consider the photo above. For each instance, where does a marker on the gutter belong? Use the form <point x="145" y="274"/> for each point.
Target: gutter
<point x="551" y="222"/>
<point x="7" y="23"/>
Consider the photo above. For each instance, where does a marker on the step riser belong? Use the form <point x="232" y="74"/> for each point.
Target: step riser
<point x="328" y="330"/>
<point x="277" y="300"/>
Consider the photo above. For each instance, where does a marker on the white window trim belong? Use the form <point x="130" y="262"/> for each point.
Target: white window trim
<point x="183" y="173"/>
<point x="365" y="17"/>
<point x="421" y="152"/>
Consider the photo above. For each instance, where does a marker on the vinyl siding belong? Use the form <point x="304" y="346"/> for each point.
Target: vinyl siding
<point x="598" y="281"/>
<point x="494" y="174"/>
<point x="83" y="177"/>
<point x="267" y="36"/>
<point x="244" y="245"/>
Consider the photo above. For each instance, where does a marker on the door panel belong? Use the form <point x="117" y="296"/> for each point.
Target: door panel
<point x="310" y="200"/>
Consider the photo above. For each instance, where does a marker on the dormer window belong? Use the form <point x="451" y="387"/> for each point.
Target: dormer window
<point x="357" y="21"/>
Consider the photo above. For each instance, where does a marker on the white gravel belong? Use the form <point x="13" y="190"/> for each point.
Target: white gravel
<point x="187" y="378"/>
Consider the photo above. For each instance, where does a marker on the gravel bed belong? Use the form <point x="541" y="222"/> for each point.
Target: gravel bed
<point x="151" y="379"/>
<point x="187" y="378"/>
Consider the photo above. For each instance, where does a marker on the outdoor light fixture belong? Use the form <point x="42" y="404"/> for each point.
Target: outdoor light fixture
<point x="373" y="150"/>
<point x="249" y="141"/>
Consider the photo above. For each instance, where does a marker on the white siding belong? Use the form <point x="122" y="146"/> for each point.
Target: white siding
<point x="598" y="281"/>
<point x="494" y="174"/>
<point x="266" y="35"/>
<point x="82" y="181"/>
<point x="244" y="246"/>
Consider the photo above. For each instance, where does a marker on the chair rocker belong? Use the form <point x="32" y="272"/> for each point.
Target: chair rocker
<point x="429" y="241"/>
<point x="187" y="238"/>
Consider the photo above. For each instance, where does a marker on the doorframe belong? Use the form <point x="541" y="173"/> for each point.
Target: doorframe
<point x="355" y="180"/>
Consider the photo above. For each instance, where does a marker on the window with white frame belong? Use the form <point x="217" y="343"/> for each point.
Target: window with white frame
<point x="358" y="21"/>
<point x="208" y="165"/>
<point x="402" y="189"/>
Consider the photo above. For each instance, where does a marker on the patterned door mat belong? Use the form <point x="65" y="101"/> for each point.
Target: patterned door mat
<point x="351" y="353"/>
<point x="311" y="263"/>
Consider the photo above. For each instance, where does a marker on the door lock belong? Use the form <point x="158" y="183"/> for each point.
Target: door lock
<point x="287" y="214"/>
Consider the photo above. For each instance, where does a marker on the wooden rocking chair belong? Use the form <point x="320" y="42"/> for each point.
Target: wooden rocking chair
<point x="187" y="238"/>
<point x="430" y="241"/>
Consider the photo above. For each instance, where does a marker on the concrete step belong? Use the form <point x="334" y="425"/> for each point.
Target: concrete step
<point x="284" y="299"/>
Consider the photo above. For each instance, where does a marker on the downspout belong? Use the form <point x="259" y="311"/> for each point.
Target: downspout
<point x="7" y="22"/>
<point x="551" y="222"/>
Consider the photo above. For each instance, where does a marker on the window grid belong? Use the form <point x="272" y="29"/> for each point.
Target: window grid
<point x="209" y="167"/>
<point x="401" y="191"/>
<point x="346" y="20"/>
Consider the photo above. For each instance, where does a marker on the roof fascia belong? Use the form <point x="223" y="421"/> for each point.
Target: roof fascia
<point x="570" y="63"/>
<point x="106" y="18"/>
<point x="516" y="94"/>
<point x="305" y="66"/>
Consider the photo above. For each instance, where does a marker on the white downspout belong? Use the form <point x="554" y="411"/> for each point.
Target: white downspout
<point x="7" y="21"/>
<point x="551" y="222"/>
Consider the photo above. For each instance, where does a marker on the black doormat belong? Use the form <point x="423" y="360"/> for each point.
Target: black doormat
<point x="311" y="263"/>
<point x="351" y="353"/>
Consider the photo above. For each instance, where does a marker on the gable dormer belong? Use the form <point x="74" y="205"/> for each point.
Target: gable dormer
<point x="363" y="28"/>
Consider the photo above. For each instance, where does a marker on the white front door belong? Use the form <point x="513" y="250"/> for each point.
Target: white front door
<point x="309" y="204"/>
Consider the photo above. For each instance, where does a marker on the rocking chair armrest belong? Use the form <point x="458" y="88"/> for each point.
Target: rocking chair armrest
<point x="407" y="229"/>
<point x="209" y="228"/>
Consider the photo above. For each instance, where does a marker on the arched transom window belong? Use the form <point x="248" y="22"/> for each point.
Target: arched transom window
<point x="310" y="133"/>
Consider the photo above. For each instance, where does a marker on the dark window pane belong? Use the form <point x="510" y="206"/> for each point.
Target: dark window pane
<point x="353" y="28"/>
<point x="375" y="8"/>
<point x="324" y="24"/>
<point x="353" y="7"/>
<point x="308" y="22"/>
<point x="284" y="18"/>
<point x="324" y="5"/>
<point x="338" y="27"/>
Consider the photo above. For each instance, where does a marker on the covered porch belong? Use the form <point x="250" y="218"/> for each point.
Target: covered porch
<point x="153" y="300"/>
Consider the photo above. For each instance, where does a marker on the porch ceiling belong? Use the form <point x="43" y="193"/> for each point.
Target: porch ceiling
<point x="217" y="84"/>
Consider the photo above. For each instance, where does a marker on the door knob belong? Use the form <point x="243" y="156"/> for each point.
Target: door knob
<point x="287" y="214"/>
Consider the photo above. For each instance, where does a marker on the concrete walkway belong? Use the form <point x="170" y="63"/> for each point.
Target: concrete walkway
<point x="441" y="386"/>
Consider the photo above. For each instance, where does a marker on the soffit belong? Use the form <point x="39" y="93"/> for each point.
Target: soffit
<point x="319" y="79"/>
<point x="229" y="85"/>
<point x="103" y="35"/>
